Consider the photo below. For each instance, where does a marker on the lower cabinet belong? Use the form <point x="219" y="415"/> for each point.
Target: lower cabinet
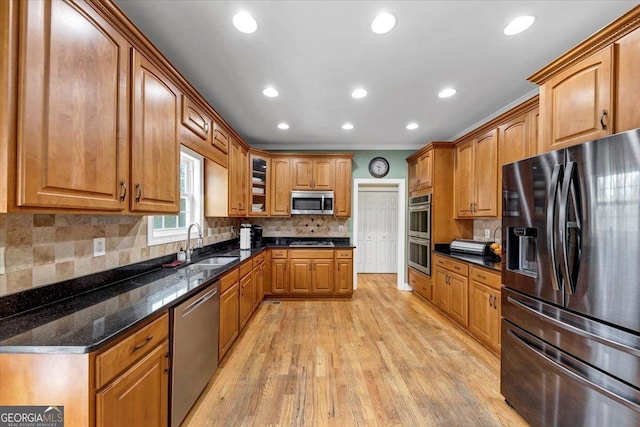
<point x="311" y="271"/>
<point x="421" y="284"/>
<point x="247" y="293"/>
<point x="229" y="312"/>
<point x="450" y="291"/>
<point x="484" y="307"/>
<point x="279" y="280"/>
<point x="344" y="272"/>
<point x="140" y="396"/>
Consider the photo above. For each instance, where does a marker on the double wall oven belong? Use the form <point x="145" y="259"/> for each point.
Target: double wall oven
<point x="420" y="233"/>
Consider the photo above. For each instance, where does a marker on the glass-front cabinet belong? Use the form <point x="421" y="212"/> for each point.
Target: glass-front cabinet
<point x="259" y="184"/>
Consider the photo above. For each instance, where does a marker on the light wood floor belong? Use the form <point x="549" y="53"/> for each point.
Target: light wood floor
<point x="385" y="358"/>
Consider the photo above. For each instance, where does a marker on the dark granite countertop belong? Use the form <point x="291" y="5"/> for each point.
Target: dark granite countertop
<point x="483" y="261"/>
<point x="84" y="314"/>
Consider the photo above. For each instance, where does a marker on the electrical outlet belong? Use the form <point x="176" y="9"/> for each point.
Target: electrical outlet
<point x="99" y="246"/>
<point x="340" y="228"/>
<point x="209" y="232"/>
<point x="2" y="271"/>
<point x="487" y="233"/>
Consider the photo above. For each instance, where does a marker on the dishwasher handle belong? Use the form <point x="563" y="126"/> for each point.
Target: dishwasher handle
<point x="199" y="302"/>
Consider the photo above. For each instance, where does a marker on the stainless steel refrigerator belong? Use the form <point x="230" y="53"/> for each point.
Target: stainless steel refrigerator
<point x="571" y="295"/>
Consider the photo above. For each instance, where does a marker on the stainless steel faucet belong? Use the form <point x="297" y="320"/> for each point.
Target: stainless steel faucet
<point x="198" y="243"/>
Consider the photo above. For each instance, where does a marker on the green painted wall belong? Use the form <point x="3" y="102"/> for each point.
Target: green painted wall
<point x="396" y="159"/>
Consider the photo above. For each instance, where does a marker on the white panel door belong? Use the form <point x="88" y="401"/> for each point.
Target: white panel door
<point x="377" y="232"/>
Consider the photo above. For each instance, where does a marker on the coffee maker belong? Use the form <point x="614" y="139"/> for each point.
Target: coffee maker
<point x="256" y="235"/>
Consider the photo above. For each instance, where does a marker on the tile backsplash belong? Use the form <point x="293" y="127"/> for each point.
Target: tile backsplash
<point x="40" y="249"/>
<point x="479" y="225"/>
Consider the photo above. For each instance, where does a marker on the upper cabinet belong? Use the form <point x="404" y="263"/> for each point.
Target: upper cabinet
<point x="592" y="90"/>
<point x="259" y="173"/>
<point x="155" y="151"/>
<point x="342" y="199"/>
<point x="421" y="172"/>
<point x="238" y="179"/>
<point x="312" y="173"/>
<point x="280" y="187"/>
<point x="476" y="176"/>
<point x="72" y="132"/>
<point x="577" y="104"/>
<point x="198" y="132"/>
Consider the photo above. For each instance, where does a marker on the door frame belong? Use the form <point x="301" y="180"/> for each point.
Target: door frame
<point x="400" y="187"/>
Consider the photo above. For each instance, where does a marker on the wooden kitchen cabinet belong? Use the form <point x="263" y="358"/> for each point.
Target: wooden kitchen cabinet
<point x="229" y="312"/>
<point x="259" y="182"/>
<point x="155" y="151"/>
<point x="280" y="203"/>
<point x="279" y="272"/>
<point x="247" y="293"/>
<point x="197" y="132"/>
<point x="140" y="396"/>
<point x="421" y="172"/>
<point x="312" y="173"/>
<point x="485" y="307"/>
<point x="221" y="138"/>
<point x="476" y="178"/>
<point x="577" y="104"/>
<point x="450" y="290"/>
<point x="342" y="194"/>
<point x="73" y="126"/>
<point x="421" y="284"/>
<point x="627" y="82"/>
<point x="238" y="179"/>
<point x="344" y="271"/>
<point x="258" y="278"/>
<point x="311" y="271"/>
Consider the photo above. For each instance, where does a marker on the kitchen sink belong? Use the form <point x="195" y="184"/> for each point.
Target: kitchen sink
<point x="215" y="262"/>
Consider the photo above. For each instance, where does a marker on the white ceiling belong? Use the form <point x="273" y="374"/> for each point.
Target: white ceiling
<point x="316" y="52"/>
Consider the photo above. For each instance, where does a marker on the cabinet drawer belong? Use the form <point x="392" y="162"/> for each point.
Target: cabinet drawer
<point x="245" y="268"/>
<point x="258" y="259"/>
<point x="452" y="265"/>
<point x="228" y="280"/>
<point x="279" y="254"/>
<point x="344" y="253"/>
<point x="420" y="284"/>
<point x="130" y="349"/>
<point x="488" y="278"/>
<point x="311" y="254"/>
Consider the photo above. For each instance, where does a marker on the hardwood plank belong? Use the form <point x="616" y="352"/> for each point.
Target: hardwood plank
<point x="383" y="358"/>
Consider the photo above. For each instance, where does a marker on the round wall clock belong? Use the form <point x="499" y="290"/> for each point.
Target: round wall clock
<point x="378" y="167"/>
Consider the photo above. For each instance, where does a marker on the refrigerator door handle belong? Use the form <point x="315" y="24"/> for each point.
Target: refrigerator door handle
<point x="555" y="359"/>
<point x="573" y="329"/>
<point x="552" y="224"/>
<point x="564" y="240"/>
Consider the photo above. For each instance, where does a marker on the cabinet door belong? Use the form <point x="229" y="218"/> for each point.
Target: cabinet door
<point x="299" y="276"/>
<point x="322" y="276"/>
<point x="198" y="124"/>
<point x="258" y="278"/>
<point x="139" y="397"/>
<point x="420" y="284"/>
<point x="576" y="105"/>
<point x="413" y="176"/>
<point x="344" y="277"/>
<point x="425" y="170"/>
<point x="323" y="174"/>
<point x="342" y="208"/>
<point x="72" y="139"/>
<point x="301" y="174"/>
<point x="247" y="299"/>
<point x="259" y="183"/>
<point x="458" y="302"/>
<point x="441" y="289"/>
<point x="220" y="138"/>
<point x="229" y="315"/>
<point x="627" y="113"/>
<point x="513" y="144"/>
<point x="238" y="179"/>
<point x="484" y="316"/>
<point x="155" y="153"/>
<point x="280" y="187"/>
<point x="464" y="185"/>
<point x="279" y="276"/>
<point x="485" y="175"/>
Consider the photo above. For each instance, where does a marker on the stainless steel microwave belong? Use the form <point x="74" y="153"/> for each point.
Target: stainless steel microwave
<point x="312" y="202"/>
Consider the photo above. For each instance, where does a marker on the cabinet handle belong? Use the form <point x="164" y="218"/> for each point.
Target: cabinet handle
<point x="602" y="117"/>
<point x="138" y="192"/>
<point x="123" y="190"/>
<point x="146" y="341"/>
<point x="206" y="127"/>
<point x="490" y="300"/>
<point x="482" y="277"/>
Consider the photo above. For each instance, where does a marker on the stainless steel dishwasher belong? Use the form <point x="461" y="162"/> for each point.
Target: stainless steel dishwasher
<point x="195" y="349"/>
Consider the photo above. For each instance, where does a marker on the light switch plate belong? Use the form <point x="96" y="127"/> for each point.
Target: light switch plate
<point x="2" y="271"/>
<point x="99" y="246"/>
<point x="340" y="228"/>
<point x="487" y="233"/>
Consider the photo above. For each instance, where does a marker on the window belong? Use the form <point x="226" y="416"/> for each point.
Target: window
<point x="173" y="228"/>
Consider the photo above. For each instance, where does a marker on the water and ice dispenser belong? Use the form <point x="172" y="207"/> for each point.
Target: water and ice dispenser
<point x="522" y="250"/>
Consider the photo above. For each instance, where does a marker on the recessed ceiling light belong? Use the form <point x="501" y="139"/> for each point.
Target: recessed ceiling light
<point x="359" y="93"/>
<point x="412" y="126"/>
<point x="445" y="93"/>
<point x="383" y="23"/>
<point x="283" y="126"/>
<point x="245" y="23"/>
<point x="518" y="25"/>
<point x="347" y="126"/>
<point x="271" y="92"/>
